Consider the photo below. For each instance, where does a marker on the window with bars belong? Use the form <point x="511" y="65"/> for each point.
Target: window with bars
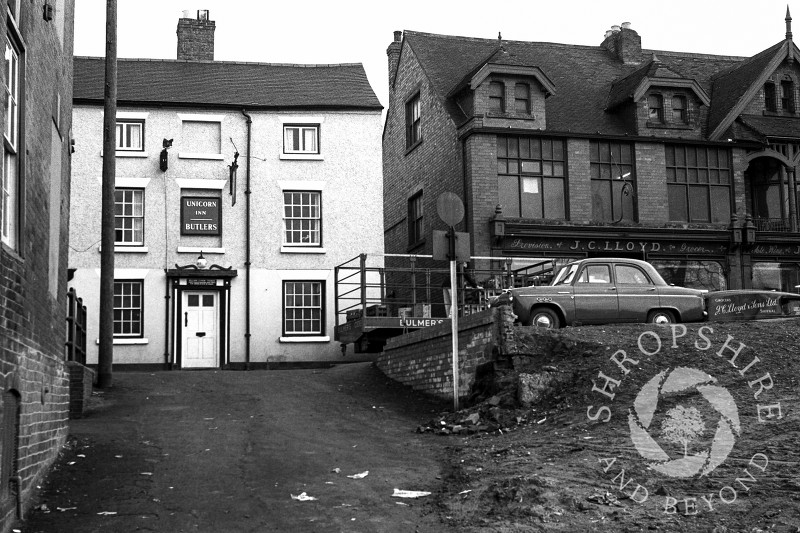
<point x="301" y="139"/>
<point x="128" y="311"/>
<point x="413" y="125"/>
<point x="698" y="183"/>
<point x="303" y="308"/>
<point x="497" y="97"/>
<point x="302" y="216"/>
<point x="10" y="191"/>
<point x="415" y="219"/>
<point x="129" y="217"/>
<point x="130" y="135"/>
<point x="522" y="98"/>
<point x="531" y="175"/>
<point x="613" y="178"/>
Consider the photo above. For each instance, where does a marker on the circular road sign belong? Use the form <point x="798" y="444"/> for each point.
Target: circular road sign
<point x="450" y="208"/>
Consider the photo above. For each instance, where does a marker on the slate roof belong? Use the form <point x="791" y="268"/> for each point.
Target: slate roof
<point x="583" y="75"/>
<point x="227" y="84"/>
<point x="785" y="127"/>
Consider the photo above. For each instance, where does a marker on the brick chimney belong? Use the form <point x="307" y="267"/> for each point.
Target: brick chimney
<point x="393" y="51"/>
<point x="196" y="37"/>
<point x="624" y="43"/>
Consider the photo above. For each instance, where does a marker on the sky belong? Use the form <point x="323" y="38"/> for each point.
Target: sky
<point x="357" y="31"/>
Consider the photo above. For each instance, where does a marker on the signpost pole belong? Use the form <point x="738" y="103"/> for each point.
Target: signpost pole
<point x="454" y="313"/>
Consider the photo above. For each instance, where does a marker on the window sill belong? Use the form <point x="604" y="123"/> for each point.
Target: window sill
<point x="122" y="340"/>
<point x="413" y="147"/>
<point x="305" y="339"/>
<point x="131" y="154"/>
<point x="303" y="157"/>
<point x="780" y="113"/>
<point x="199" y="249"/>
<point x="213" y="157"/>
<point x="668" y="125"/>
<point x="302" y="250"/>
<point x="127" y="249"/>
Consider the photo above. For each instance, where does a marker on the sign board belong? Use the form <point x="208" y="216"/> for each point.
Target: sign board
<point x="196" y="282"/>
<point x="441" y="246"/>
<point x="450" y="208"/>
<point x="751" y="305"/>
<point x="201" y="215"/>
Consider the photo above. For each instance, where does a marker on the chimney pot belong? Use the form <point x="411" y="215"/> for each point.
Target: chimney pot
<point x="608" y="32"/>
<point x="615" y="28"/>
<point x="626" y="25"/>
<point x="398" y="36"/>
<point x="185" y="14"/>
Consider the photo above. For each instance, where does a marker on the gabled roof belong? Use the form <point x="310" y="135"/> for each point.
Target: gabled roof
<point x="227" y="84"/>
<point x="735" y="87"/>
<point x="582" y="75"/>
<point x="652" y="74"/>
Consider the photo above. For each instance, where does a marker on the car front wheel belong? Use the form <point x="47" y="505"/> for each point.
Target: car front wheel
<point x="661" y="316"/>
<point x="543" y="317"/>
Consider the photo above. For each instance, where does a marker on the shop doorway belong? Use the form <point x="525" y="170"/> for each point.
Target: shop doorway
<point x="200" y="337"/>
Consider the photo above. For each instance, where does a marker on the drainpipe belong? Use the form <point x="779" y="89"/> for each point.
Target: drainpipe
<point x="247" y="247"/>
<point x="166" y="321"/>
<point x="17" y="481"/>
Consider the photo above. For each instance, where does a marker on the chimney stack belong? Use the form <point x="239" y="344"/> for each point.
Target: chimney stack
<point x="393" y="52"/>
<point x="196" y="37"/>
<point x="624" y="43"/>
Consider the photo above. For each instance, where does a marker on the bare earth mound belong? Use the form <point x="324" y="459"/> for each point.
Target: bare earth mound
<point x="634" y="428"/>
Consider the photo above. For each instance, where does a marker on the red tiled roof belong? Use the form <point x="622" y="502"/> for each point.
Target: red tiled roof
<point x="227" y="84"/>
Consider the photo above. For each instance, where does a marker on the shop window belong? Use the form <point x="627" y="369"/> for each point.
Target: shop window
<point x="302" y="217"/>
<point x="301" y="139"/>
<point x="776" y="276"/>
<point x="129" y="217"/>
<point x="655" y="107"/>
<point x="522" y="98"/>
<point x="613" y="180"/>
<point x="303" y="308"/>
<point x="413" y="125"/>
<point x="531" y="173"/>
<point x="130" y="135"/>
<point x="415" y="220"/>
<point x="698" y="184"/>
<point x="769" y="97"/>
<point x="707" y="275"/>
<point x="497" y="97"/>
<point x="128" y="308"/>
<point x="11" y="190"/>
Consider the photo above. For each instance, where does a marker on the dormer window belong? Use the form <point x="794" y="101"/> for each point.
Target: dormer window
<point x="680" y="111"/>
<point x="497" y="100"/>
<point x="522" y="98"/>
<point x="787" y="96"/>
<point x="769" y="97"/>
<point x="655" y="106"/>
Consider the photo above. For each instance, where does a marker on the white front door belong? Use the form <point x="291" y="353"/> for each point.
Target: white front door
<point x="200" y="329"/>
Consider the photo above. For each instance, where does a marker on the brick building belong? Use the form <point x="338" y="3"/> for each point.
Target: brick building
<point x="34" y="217"/>
<point x="563" y="151"/>
<point x="255" y="167"/>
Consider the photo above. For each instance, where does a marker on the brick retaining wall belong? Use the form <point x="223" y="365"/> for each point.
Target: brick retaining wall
<point x="81" y="381"/>
<point x="422" y="359"/>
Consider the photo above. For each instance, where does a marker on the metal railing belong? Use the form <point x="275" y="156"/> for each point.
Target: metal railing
<point x="75" y="346"/>
<point x="781" y="225"/>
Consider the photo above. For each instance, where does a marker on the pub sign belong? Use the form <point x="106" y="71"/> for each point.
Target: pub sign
<point x="201" y="215"/>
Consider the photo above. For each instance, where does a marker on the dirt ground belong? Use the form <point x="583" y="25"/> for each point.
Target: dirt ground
<point x="567" y="464"/>
<point x="202" y="451"/>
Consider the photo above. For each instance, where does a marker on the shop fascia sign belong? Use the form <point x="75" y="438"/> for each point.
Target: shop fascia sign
<point x="201" y="215"/>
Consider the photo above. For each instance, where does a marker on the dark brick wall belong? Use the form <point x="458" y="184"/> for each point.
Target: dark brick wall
<point x="32" y="291"/>
<point x="81" y="381"/>
<point x="423" y="359"/>
<point x="196" y="39"/>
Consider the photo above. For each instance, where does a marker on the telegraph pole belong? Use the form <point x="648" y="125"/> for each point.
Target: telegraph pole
<point x="106" y="318"/>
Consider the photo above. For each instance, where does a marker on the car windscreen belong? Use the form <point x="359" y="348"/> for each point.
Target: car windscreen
<point x="565" y="275"/>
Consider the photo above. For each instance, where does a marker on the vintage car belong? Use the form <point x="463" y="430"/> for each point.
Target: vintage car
<point x="605" y="291"/>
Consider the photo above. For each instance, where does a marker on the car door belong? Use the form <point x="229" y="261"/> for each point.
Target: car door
<point x="636" y="292"/>
<point x="596" y="299"/>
